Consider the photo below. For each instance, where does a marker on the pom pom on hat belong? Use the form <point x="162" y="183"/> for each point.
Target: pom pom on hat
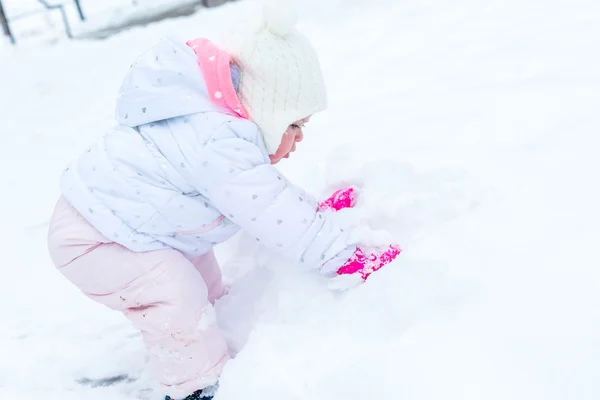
<point x="280" y="17"/>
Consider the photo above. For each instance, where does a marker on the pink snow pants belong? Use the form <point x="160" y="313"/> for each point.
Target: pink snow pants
<point x="165" y="295"/>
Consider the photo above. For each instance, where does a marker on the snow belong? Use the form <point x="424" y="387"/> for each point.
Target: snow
<point x="471" y="129"/>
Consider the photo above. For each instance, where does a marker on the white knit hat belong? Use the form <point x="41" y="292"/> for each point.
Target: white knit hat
<point x="281" y="78"/>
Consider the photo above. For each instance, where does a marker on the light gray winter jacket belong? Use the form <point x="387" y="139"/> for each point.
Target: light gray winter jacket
<point x="180" y="172"/>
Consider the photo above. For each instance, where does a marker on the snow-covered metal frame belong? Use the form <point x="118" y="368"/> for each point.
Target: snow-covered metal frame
<point x="4" y="21"/>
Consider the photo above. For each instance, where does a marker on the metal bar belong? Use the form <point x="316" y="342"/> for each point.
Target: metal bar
<point x="66" y="22"/>
<point x="5" y="26"/>
<point x="65" y="18"/>
<point x="79" y="10"/>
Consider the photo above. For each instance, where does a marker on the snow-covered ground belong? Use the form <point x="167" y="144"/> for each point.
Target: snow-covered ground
<point x="473" y="130"/>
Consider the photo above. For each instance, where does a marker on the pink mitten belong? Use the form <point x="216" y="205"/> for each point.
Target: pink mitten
<point x="366" y="264"/>
<point x="343" y="198"/>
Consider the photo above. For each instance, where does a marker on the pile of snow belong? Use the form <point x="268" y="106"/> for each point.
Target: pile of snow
<point x="472" y="130"/>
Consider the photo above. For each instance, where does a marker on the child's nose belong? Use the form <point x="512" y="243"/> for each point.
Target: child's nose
<point x="299" y="136"/>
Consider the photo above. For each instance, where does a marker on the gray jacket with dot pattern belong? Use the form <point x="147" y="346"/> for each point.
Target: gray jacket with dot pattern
<point x="179" y="172"/>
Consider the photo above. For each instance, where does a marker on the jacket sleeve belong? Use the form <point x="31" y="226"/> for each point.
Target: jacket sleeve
<point x="243" y="185"/>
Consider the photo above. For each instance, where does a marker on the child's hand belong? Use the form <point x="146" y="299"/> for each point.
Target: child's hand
<point x="364" y="263"/>
<point x="340" y="199"/>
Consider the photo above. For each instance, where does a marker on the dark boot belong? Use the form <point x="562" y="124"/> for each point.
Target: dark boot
<point x="204" y="394"/>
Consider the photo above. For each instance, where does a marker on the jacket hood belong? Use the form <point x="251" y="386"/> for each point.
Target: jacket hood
<point x="164" y="82"/>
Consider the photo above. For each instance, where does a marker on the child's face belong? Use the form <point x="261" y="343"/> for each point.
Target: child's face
<point x="292" y="135"/>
